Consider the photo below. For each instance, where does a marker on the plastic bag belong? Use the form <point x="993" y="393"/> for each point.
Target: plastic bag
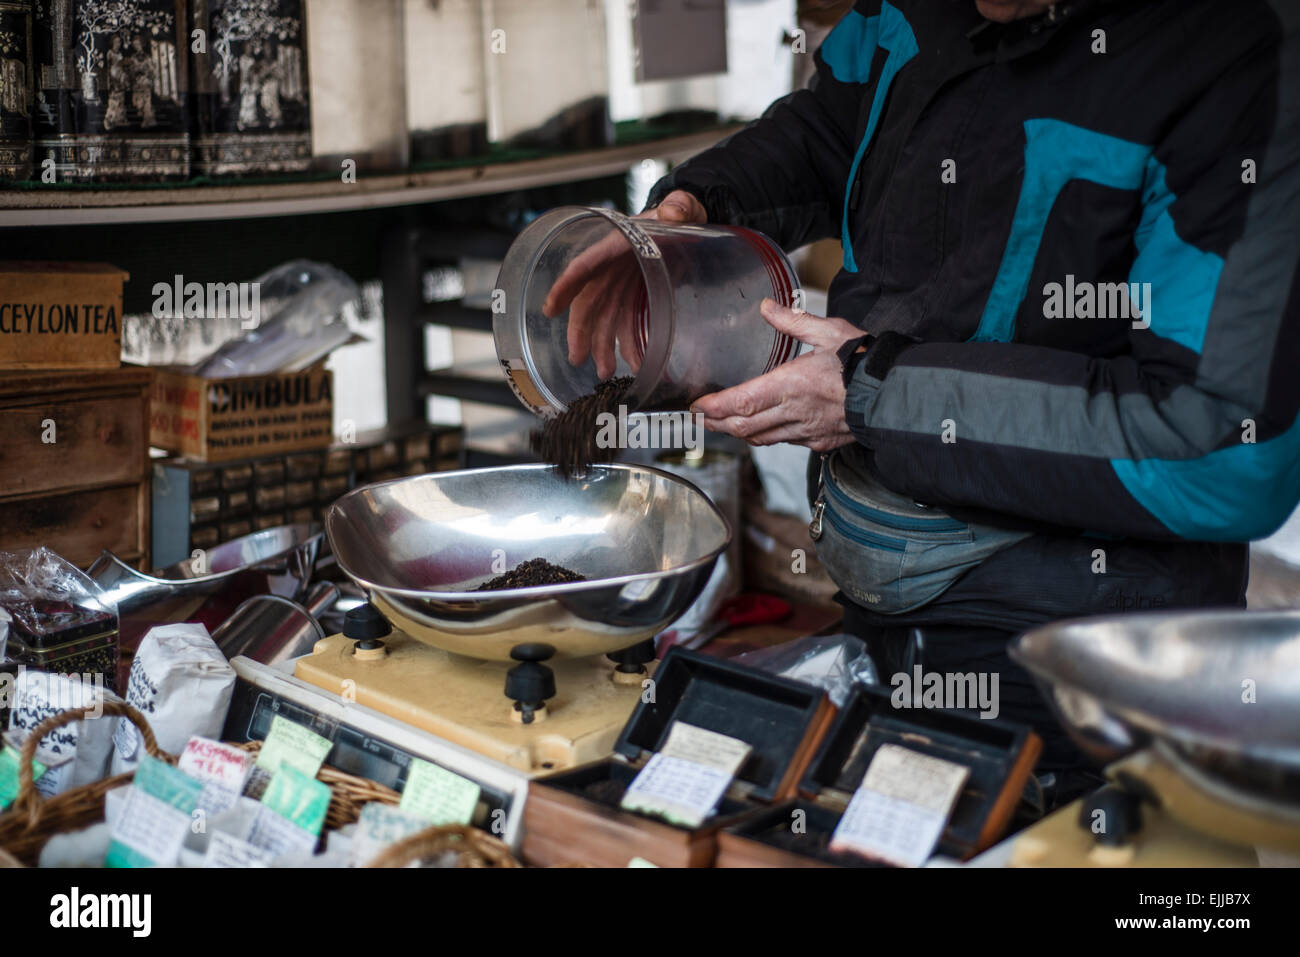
<point x="832" y="662"/>
<point x="59" y="620"/>
<point x="76" y="754"/>
<point x="300" y="320"/>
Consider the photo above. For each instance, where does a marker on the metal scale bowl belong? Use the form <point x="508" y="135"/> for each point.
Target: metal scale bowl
<point x="1203" y="709"/>
<point x="209" y="588"/>
<point x="646" y="540"/>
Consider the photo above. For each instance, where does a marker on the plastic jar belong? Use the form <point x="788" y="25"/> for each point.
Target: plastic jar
<point x="676" y="305"/>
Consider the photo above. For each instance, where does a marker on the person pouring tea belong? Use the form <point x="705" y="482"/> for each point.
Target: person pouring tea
<point x="1058" y="374"/>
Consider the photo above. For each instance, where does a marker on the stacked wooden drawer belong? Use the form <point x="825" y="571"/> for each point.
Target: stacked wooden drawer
<point x="74" y="463"/>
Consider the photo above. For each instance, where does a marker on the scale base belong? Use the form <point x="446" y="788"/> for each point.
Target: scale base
<point x="1058" y="841"/>
<point x="463" y="700"/>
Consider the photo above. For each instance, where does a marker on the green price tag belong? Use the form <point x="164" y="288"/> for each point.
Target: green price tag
<point x="438" y="795"/>
<point x="298" y="798"/>
<point x="293" y="745"/>
<point x="10" y="762"/>
<point x="157" y="815"/>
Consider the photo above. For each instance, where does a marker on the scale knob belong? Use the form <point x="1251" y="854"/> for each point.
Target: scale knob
<point x="1113" y="815"/>
<point x="366" y="626"/>
<point x="629" y="663"/>
<point x="530" y="683"/>
<point x="632" y="660"/>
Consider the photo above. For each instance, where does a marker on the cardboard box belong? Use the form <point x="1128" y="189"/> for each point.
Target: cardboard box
<point x="216" y="420"/>
<point x="780" y="557"/>
<point x="57" y="315"/>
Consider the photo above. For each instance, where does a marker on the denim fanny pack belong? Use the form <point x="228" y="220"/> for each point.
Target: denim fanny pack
<point x="885" y="551"/>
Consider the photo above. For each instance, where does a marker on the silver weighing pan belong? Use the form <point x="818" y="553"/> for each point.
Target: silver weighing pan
<point x="646" y="540"/>
<point x="275" y="561"/>
<point x="1215" y="693"/>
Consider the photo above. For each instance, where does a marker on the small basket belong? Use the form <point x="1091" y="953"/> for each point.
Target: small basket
<point x="31" y="821"/>
<point x="473" y="848"/>
<point x="27" y="826"/>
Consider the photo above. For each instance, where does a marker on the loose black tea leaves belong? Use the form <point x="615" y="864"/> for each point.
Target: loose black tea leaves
<point x="569" y="441"/>
<point x="529" y="574"/>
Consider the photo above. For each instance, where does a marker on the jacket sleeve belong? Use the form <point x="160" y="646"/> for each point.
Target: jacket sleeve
<point x="1192" y="433"/>
<point x="785" y="173"/>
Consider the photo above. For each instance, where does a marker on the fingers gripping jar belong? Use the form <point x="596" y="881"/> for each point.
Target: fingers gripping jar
<point x="587" y="294"/>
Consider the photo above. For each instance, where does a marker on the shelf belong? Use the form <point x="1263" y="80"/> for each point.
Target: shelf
<point x="472" y="382"/>
<point x="456" y="315"/>
<point x="91" y="206"/>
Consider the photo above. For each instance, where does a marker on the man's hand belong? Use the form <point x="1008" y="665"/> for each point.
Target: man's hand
<point x="800" y="401"/>
<point x="600" y="288"/>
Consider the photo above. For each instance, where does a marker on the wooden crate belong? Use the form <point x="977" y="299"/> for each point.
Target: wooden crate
<point x="219" y="420"/>
<point x="74" y="456"/>
<point x="745" y="845"/>
<point x="60" y="315"/>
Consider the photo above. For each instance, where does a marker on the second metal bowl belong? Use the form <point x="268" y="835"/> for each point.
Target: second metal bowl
<point x="1218" y="690"/>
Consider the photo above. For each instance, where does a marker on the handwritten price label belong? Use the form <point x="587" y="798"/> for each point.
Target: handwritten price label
<point x="288" y="743"/>
<point x="438" y="795"/>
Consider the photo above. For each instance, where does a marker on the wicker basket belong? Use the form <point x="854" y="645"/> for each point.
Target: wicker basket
<point x="32" y="821"/>
<point x="473" y="848"/>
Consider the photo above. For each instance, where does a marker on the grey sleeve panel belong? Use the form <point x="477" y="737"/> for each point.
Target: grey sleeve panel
<point x="1259" y="270"/>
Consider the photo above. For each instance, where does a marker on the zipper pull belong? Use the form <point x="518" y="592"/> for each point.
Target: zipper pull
<point x="819" y="506"/>
<point x="815" y="526"/>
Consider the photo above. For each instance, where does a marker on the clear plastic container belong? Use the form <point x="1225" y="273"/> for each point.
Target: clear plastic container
<point x="675" y="307"/>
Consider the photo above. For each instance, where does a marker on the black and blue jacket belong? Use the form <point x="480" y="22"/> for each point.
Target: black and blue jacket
<point x="990" y="184"/>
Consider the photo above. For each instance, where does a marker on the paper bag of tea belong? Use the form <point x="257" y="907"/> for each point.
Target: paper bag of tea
<point x="181" y="682"/>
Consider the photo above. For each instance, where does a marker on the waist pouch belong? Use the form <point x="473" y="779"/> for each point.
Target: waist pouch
<point x="885" y="551"/>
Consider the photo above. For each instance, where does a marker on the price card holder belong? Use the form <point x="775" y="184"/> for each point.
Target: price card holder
<point x="900" y="809"/>
<point x="576" y="816"/>
<point x="998" y="755"/>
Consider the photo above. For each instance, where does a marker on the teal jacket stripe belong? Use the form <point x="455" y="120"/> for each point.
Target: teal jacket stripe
<point x="1055" y="153"/>
<point x="850" y="47"/>
<point x="891" y="33"/>
<point x="1241" y="492"/>
<point x="1183" y="278"/>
